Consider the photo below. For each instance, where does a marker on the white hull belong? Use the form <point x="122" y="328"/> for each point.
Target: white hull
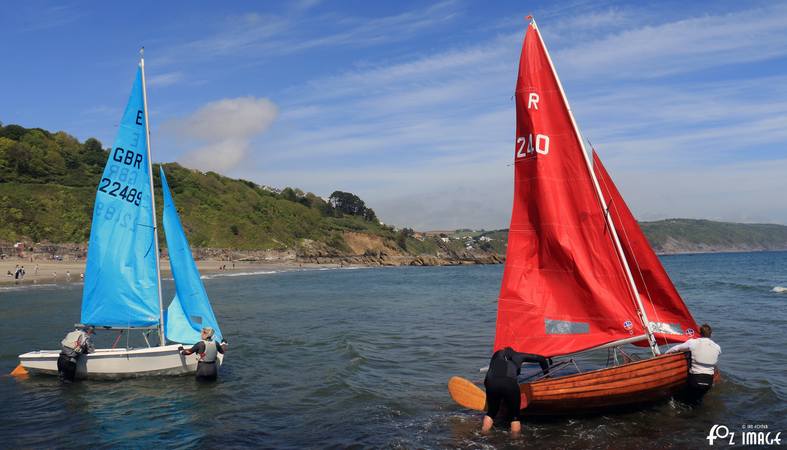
<point x="108" y="363"/>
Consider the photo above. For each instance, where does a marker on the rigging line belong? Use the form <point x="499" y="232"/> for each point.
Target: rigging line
<point x="633" y="256"/>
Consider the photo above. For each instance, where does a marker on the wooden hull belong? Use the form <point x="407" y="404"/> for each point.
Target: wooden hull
<point x="611" y="389"/>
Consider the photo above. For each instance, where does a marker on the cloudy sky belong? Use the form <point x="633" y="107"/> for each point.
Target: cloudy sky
<point x="408" y="104"/>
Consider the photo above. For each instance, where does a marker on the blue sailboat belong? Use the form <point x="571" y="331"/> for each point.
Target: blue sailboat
<point x="122" y="290"/>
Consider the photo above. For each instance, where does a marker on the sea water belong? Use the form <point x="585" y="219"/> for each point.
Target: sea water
<point x="360" y="358"/>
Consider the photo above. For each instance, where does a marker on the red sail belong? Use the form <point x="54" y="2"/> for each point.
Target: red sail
<point x="564" y="288"/>
<point x="670" y="320"/>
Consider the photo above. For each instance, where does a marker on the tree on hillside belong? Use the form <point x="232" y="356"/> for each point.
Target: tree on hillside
<point x="349" y="203"/>
<point x="369" y="215"/>
<point x="13" y="132"/>
<point x="402" y="235"/>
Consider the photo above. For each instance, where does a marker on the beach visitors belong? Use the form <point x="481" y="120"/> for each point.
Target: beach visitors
<point x="36" y="271"/>
<point x="72" y="347"/>
<point x="502" y="386"/>
<point x="68" y="275"/>
<point x="208" y="351"/>
<point x="17" y="271"/>
<point x="22" y="272"/>
<point x="704" y="356"/>
<point x="81" y="276"/>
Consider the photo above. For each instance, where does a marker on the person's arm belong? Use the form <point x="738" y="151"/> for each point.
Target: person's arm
<point x="221" y="346"/>
<point x="89" y="347"/>
<point x="519" y="358"/>
<point x="684" y="347"/>
<point x="196" y="348"/>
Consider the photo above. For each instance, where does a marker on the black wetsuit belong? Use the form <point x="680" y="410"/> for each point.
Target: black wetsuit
<point x="66" y="367"/>
<point x="501" y="380"/>
<point x="67" y="361"/>
<point x="206" y="370"/>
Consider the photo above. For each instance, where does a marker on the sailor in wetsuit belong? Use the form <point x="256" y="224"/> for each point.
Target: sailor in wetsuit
<point x="76" y="344"/>
<point x="208" y="351"/>
<point x="704" y="357"/>
<point x="502" y="386"/>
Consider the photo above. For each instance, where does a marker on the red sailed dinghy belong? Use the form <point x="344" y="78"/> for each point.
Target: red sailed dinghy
<point x="579" y="273"/>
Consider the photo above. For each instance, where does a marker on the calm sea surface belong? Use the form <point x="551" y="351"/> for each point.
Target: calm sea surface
<point x="360" y="358"/>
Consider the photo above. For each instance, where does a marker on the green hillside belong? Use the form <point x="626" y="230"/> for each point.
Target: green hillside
<point x="691" y="235"/>
<point x="48" y="182"/>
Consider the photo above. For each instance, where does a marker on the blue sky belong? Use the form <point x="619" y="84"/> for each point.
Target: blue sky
<point x="408" y="104"/>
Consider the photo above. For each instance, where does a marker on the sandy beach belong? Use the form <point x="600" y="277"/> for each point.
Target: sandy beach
<point x="53" y="271"/>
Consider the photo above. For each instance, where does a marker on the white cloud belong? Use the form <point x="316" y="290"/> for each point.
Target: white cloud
<point x="226" y="127"/>
<point x="165" y="79"/>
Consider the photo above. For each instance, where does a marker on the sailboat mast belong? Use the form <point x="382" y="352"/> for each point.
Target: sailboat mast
<point x="152" y="198"/>
<point x="643" y="316"/>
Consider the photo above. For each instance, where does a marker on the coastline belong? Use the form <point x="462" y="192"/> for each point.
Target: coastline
<point x="54" y="272"/>
<point x="66" y="272"/>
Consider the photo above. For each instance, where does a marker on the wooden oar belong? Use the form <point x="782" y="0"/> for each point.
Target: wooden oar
<point x="467" y="394"/>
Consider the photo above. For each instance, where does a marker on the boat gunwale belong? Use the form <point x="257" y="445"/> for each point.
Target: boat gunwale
<point x="606" y="378"/>
<point x="626" y="386"/>
<point x="101" y="353"/>
<point x="591" y="373"/>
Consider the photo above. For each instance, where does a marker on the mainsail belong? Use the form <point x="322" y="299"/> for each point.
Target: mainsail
<point x="121" y="277"/>
<point x="670" y="319"/>
<point x="564" y="286"/>
<point x="190" y="309"/>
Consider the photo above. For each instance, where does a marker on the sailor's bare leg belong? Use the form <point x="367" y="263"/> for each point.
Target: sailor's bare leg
<point x="516" y="428"/>
<point x="486" y="424"/>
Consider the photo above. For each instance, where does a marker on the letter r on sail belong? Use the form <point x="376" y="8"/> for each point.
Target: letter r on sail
<point x="532" y="101"/>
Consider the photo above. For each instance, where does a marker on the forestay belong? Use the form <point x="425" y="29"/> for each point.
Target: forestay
<point x="190" y="309"/>
<point x="564" y="287"/>
<point x="121" y="287"/>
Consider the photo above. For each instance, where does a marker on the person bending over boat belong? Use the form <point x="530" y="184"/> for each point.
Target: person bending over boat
<point x="502" y="386"/>
<point x="72" y="347"/>
<point x="704" y="356"/>
<point x="208" y="351"/>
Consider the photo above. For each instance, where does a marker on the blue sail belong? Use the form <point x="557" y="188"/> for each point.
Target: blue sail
<point x="121" y="282"/>
<point x="190" y="310"/>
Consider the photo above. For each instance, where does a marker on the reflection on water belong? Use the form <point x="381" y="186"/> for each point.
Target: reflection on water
<point x="331" y="359"/>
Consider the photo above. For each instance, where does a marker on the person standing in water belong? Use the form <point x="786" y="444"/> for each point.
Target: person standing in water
<point x="704" y="357"/>
<point x="208" y="350"/>
<point x="72" y="347"/>
<point x="502" y="386"/>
